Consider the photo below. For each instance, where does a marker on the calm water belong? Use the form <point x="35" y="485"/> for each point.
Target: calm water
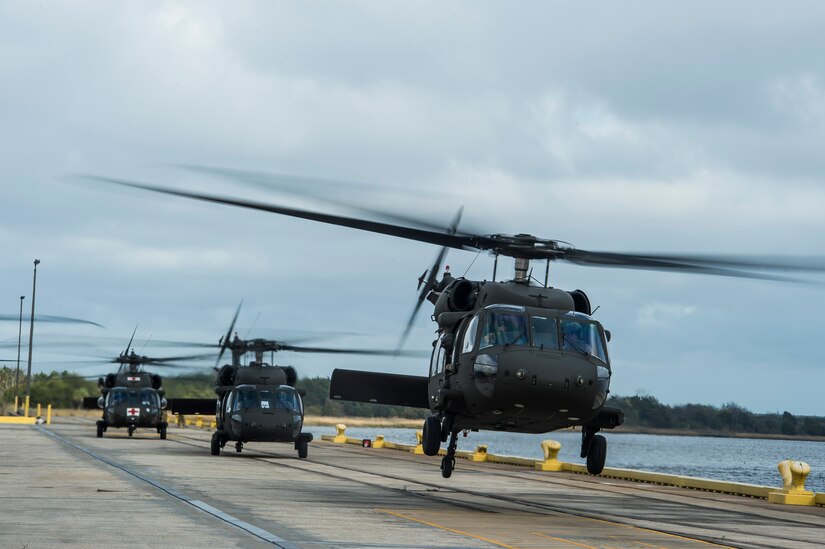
<point x="742" y="460"/>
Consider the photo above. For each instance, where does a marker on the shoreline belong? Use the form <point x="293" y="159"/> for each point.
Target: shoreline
<point x="406" y="423"/>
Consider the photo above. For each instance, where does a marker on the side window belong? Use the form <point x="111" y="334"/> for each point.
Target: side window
<point x="229" y="399"/>
<point x="439" y="359"/>
<point x="470" y="336"/>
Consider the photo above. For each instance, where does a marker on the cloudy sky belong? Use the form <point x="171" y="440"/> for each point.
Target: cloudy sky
<point x="617" y="126"/>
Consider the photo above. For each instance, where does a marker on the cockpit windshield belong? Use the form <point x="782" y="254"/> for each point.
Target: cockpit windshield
<point x="570" y="332"/>
<point x="149" y="397"/>
<point x="252" y="398"/>
<point x="503" y="328"/>
<point x="584" y="337"/>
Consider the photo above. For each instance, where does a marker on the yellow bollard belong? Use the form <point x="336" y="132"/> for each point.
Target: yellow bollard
<point x="419" y="443"/>
<point x="794" y="474"/>
<point x="340" y="436"/>
<point x="199" y="421"/>
<point x="26" y="411"/>
<point x="480" y="453"/>
<point x="38" y="410"/>
<point x="379" y="441"/>
<point x="551" y="456"/>
<point x="49" y="414"/>
<point x="213" y="424"/>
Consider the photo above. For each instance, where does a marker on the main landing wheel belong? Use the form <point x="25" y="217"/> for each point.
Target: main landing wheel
<point x="162" y="431"/>
<point x="303" y="448"/>
<point x="100" y="428"/>
<point x="216" y="444"/>
<point x="431" y="438"/>
<point x="597" y="455"/>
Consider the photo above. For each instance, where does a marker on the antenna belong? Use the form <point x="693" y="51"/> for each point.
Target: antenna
<point x="547" y="273"/>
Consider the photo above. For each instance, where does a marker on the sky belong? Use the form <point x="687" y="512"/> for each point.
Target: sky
<point x="616" y="126"/>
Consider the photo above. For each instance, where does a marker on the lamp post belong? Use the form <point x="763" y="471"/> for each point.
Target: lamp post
<point x="31" y="337"/>
<point x="19" y="337"/>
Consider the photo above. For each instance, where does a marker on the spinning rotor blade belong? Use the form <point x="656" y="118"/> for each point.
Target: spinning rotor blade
<point x="225" y="340"/>
<point x="297" y="185"/>
<point x="526" y="246"/>
<point x="369" y="352"/>
<point x="430" y="283"/>
<point x="50" y="318"/>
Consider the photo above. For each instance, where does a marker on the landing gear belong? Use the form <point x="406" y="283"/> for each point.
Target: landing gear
<point x="448" y="461"/>
<point x="302" y="444"/>
<point x="101" y="427"/>
<point x="238" y="446"/>
<point x="597" y="455"/>
<point x="132" y="430"/>
<point x="431" y="438"/>
<point x="594" y="448"/>
<point x="216" y="443"/>
<point x="162" y="430"/>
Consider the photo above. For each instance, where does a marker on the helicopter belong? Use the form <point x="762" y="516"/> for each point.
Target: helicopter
<point x="513" y="355"/>
<point x="257" y="402"/>
<point x="133" y="397"/>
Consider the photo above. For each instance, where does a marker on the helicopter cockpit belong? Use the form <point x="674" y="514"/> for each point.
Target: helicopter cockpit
<point x="512" y="326"/>
<point x="147" y="398"/>
<point x="249" y="397"/>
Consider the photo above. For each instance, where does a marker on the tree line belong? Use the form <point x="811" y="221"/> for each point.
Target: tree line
<point x="66" y="390"/>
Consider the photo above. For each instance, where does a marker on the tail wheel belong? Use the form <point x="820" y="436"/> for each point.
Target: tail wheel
<point x="596" y="455"/>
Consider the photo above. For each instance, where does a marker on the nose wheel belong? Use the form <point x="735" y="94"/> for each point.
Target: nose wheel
<point x="238" y="446"/>
<point x="132" y="430"/>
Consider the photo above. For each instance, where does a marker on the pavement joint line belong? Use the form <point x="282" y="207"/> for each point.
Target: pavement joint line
<point x="204" y="507"/>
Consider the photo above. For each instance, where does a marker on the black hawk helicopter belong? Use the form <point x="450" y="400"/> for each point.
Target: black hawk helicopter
<point x="258" y="402"/>
<point x="514" y="355"/>
<point x="133" y="397"/>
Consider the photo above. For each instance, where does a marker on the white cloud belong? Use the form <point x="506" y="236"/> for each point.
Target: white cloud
<point x="655" y="316"/>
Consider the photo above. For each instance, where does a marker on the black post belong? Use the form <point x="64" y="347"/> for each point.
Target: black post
<point x="19" y="339"/>
<point x="31" y="333"/>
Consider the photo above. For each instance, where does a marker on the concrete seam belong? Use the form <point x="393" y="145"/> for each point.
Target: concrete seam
<point x="204" y="507"/>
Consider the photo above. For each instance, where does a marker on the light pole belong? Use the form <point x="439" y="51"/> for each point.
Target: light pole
<point x="19" y="337"/>
<point x="31" y="337"/>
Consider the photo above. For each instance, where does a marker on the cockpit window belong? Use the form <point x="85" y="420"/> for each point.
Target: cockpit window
<point x="545" y="332"/>
<point x="502" y="328"/>
<point x="118" y="396"/>
<point x="284" y="397"/>
<point x="246" y="398"/>
<point x="584" y="337"/>
<point x="470" y="336"/>
<point x="148" y="397"/>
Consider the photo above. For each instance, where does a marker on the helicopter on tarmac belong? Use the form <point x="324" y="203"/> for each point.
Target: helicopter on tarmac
<point x="515" y="355"/>
<point x="132" y="397"/>
<point x="257" y="402"/>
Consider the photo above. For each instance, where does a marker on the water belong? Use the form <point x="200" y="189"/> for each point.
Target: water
<point x="752" y="461"/>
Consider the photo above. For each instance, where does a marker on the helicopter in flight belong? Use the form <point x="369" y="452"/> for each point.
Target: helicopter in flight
<point x="513" y="355"/>
<point x="258" y="402"/>
<point x="132" y="397"/>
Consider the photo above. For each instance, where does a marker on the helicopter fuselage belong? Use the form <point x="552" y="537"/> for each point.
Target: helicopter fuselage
<point x="132" y="399"/>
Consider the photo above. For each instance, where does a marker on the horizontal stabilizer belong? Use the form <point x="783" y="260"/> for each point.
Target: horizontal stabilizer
<point x="189" y="406"/>
<point x="394" y="389"/>
<point x="90" y="403"/>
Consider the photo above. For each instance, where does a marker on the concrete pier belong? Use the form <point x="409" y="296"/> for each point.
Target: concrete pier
<point x="63" y="487"/>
